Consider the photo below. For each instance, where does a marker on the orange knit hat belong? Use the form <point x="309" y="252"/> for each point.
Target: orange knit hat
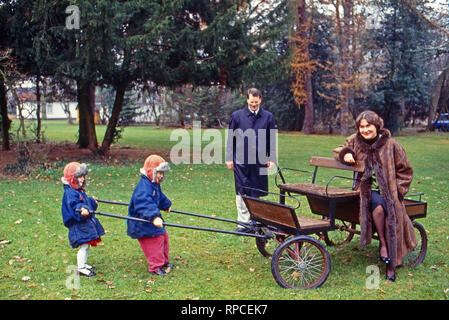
<point x="72" y="171"/>
<point x="153" y="164"/>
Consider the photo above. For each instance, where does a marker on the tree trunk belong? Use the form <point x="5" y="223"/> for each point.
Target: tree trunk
<point x="6" y="123"/>
<point x="87" y="137"/>
<point x="113" y="120"/>
<point x="345" y="60"/>
<point x="308" y="119"/>
<point x="224" y="74"/>
<point x="38" y="110"/>
<point x="436" y="97"/>
<point x="299" y="120"/>
<point x="309" y="110"/>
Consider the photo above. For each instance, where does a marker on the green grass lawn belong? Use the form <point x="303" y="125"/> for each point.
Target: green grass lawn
<point x="35" y="256"/>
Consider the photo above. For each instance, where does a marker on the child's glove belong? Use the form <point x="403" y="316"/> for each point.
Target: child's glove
<point x="158" y="222"/>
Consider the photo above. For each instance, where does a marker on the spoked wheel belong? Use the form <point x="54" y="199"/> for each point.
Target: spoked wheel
<point x="339" y="236"/>
<point x="417" y="255"/>
<point x="267" y="246"/>
<point x="301" y="263"/>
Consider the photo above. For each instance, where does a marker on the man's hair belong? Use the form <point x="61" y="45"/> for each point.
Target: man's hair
<point x="254" y="92"/>
<point x="371" y="117"/>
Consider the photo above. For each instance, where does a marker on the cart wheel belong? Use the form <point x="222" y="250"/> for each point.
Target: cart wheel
<point x="301" y="263"/>
<point x="338" y="236"/>
<point x="417" y="255"/>
<point x="267" y="246"/>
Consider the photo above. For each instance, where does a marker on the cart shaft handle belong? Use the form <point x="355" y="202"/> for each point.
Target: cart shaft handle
<point x="246" y="225"/>
<point x="167" y="224"/>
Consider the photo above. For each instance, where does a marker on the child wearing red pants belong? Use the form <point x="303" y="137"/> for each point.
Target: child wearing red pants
<point x="146" y="203"/>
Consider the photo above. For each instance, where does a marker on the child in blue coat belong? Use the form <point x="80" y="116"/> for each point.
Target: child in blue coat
<point x="84" y="229"/>
<point x="146" y="203"/>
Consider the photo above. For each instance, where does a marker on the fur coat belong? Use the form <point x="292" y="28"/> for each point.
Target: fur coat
<point x="394" y="174"/>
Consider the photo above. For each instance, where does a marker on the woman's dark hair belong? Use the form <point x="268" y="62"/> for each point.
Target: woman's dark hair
<point x="254" y="92"/>
<point x="372" y="118"/>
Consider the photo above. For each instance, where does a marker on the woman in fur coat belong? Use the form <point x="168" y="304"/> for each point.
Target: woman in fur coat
<point x="383" y="186"/>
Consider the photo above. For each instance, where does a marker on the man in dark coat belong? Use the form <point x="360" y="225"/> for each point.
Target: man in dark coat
<point x="250" y="151"/>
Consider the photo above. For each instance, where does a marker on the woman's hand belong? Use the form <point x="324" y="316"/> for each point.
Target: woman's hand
<point x="84" y="212"/>
<point x="348" y="158"/>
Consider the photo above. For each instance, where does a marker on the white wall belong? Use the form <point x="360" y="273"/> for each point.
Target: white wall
<point x="54" y="110"/>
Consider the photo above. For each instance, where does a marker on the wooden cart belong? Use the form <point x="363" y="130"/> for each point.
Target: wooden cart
<point x="300" y="261"/>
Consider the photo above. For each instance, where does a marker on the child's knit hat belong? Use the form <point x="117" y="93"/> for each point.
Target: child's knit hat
<point x="72" y="171"/>
<point x="154" y="164"/>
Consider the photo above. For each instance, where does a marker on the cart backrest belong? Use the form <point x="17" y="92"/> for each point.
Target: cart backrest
<point x="272" y="213"/>
<point x="322" y="162"/>
<point x="359" y="166"/>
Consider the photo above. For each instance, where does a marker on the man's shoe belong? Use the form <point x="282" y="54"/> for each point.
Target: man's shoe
<point x="91" y="268"/>
<point x="86" y="272"/>
<point x="159" y="272"/>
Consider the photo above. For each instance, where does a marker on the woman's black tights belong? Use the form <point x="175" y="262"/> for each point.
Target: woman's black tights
<point x="379" y="222"/>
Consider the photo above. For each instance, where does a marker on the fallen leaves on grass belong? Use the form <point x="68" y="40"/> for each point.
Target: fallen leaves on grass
<point x="105" y="281"/>
<point x="18" y="259"/>
<point x="26" y="278"/>
<point x="180" y="259"/>
<point x="109" y="283"/>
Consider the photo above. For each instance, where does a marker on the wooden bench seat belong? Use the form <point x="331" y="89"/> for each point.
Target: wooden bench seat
<point x="318" y="190"/>
<point x="306" y="222"/>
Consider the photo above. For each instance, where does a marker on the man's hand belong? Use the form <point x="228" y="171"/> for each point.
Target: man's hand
<point x="158" y="222"/>
<point x="270" y="164"/>
<point x="348" y="158"/>
<point x="230" y="164"/>
<point x="84" y="212"/>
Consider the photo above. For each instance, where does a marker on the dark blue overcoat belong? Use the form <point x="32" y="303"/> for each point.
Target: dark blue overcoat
<point x="82" y="229"/>
<point x="251" y="143"/>
<point x="146" y="202"/>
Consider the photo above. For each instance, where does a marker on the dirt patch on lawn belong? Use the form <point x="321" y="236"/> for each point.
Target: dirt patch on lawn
<point x="52" y="152"/>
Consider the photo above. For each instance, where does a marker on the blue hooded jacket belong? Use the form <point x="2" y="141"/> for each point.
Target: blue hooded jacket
<point x="146" y="202"/>
<point x="82" y="229"/>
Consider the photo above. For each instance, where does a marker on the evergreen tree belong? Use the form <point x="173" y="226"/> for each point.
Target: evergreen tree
<point x="400" y="41"/>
